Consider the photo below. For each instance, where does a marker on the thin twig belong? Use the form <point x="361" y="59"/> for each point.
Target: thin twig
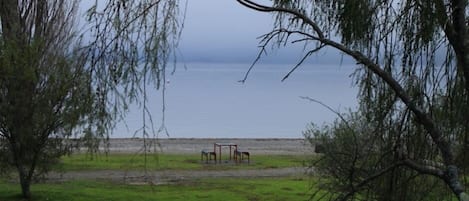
<point x="309" y="53"/>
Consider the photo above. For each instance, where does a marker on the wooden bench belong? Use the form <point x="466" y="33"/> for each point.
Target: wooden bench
<point x="208" y="155"/>
<point x="239" y="154"/>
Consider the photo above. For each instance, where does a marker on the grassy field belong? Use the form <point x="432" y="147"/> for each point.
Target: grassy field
<point x="207" y="189"/>
<point x="226" y="189"/>
<point x="78" y="162"/>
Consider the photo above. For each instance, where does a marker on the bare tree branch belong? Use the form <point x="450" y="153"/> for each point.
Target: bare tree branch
<point x="309" y="53"/>
<point x="262" y="8"/>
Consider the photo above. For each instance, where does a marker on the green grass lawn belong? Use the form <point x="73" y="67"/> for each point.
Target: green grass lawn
<point x="253" y="189"/>
<point x="79" y="162"/>
<point x="271" y="189"/>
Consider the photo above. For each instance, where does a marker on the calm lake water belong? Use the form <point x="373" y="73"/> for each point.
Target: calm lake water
<point x="205" y="100"/>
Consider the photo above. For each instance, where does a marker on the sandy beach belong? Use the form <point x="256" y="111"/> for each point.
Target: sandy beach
<point x="195" y="145"/>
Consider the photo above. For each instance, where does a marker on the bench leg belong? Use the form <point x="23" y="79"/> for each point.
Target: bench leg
<point x="239" y="157"/>
<point x="247" y="155"/>
<point x="202" y="157"/>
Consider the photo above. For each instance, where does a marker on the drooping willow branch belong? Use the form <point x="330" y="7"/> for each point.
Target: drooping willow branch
<point x="449" y="175"/>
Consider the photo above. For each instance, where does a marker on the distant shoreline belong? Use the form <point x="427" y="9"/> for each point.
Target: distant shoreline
<point x="195" y="145"/>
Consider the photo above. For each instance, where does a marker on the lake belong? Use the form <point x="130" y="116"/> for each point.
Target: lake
<point x="205" y="100"/>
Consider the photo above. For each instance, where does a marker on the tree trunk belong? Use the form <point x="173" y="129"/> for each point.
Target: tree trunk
<point x="25" y="182"/>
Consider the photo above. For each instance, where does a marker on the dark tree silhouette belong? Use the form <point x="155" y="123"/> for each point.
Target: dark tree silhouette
<point x="58" y="80"/>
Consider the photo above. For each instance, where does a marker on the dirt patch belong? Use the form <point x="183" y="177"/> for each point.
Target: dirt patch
<point x="171" y="176"/>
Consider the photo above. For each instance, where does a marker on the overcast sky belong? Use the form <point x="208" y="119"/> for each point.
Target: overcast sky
<point x="226" y="31"/>
<point x="221" y="30"/>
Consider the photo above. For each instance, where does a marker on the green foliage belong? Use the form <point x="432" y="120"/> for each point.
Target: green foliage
<point x="57" y="83"/>
<point x="365" y="24"/>
<point x="413" y="79"/>
<point x="44" y="93"/>
<point x="356" y="22"/>
<point x="362" y="159"/>
<point x="206" y="189"/>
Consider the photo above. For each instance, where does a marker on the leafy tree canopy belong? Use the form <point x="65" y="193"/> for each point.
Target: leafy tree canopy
<point x="413" y="77"/>
<point x="60" y="81"/>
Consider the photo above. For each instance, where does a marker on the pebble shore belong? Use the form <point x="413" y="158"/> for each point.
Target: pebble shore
<point x="276" y="146"/>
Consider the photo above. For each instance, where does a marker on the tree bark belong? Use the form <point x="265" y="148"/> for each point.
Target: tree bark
<point x="10" y="19"/>
<point x="25" y="182"/>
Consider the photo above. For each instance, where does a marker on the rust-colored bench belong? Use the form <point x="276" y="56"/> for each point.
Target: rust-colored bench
<point x="240" y="155"/>
<point x="208" y="155"/>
